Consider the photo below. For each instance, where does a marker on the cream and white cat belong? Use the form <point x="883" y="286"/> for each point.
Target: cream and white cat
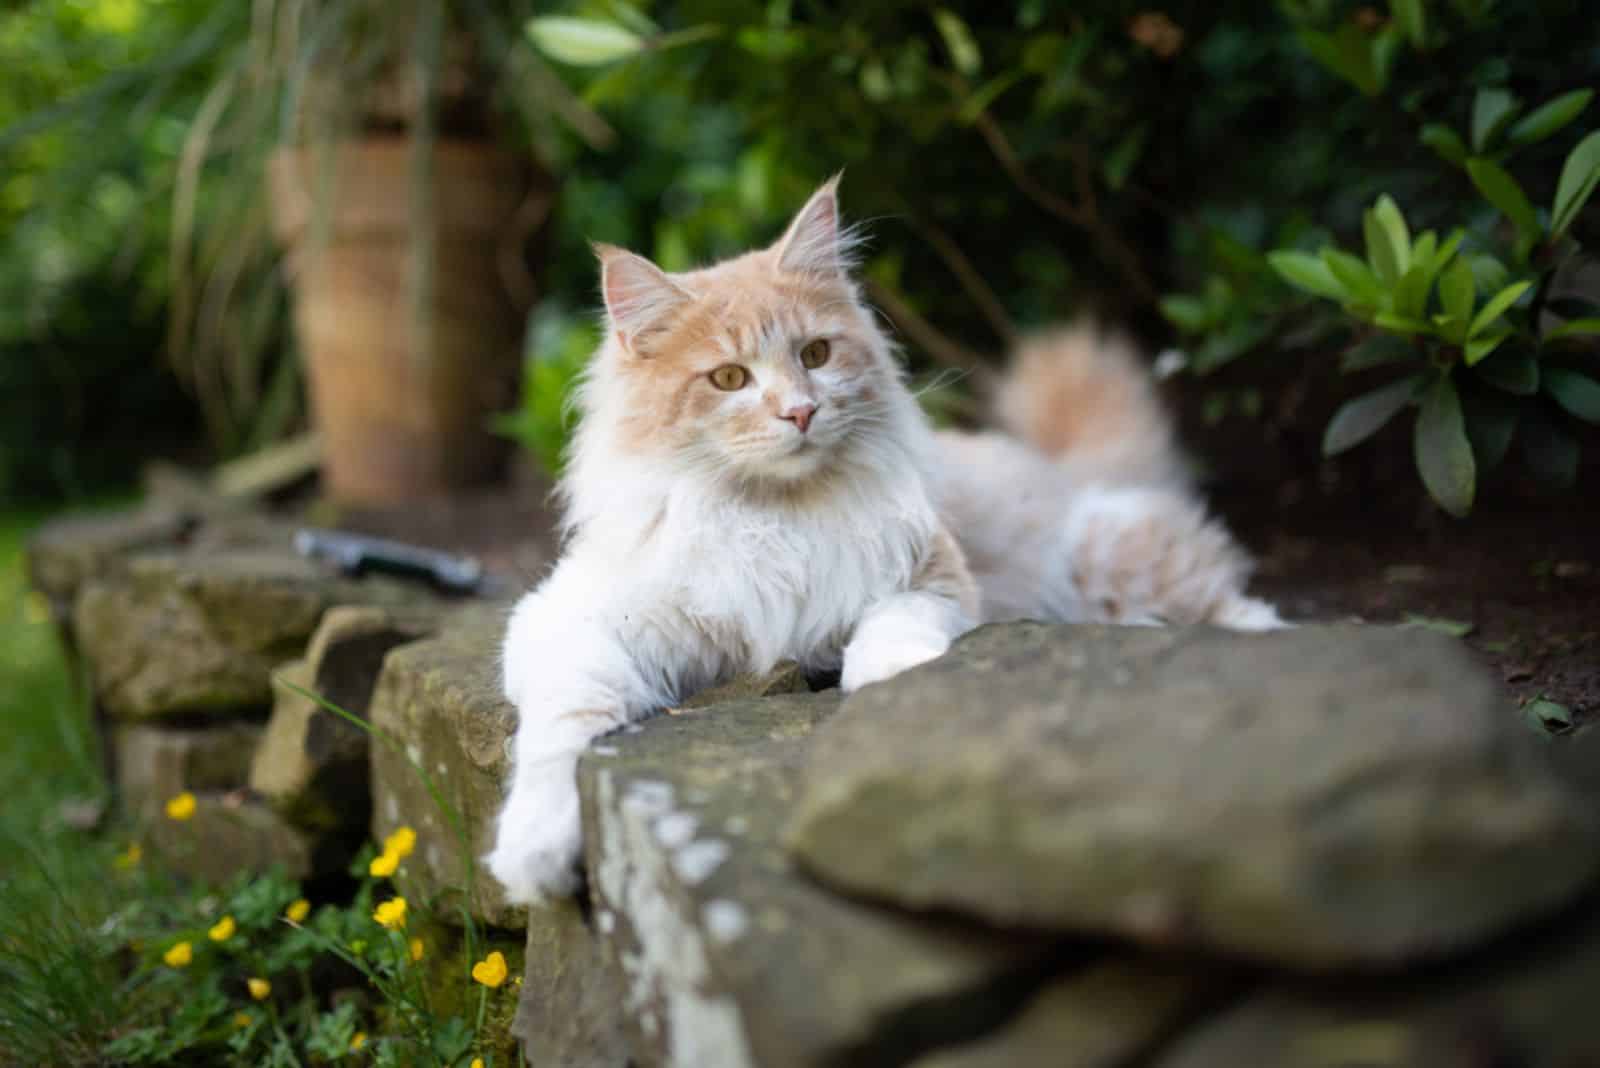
<point x="752" y="482"/>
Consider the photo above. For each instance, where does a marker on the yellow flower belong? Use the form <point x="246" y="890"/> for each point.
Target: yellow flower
<point x="416" y="949"/>
<point x="129" y="857"/>
<point x="358" y="1041"/>
<point x="298" y="911"/>
<point x="259" y="988"/>
<point x="491" y="970"/>
<point x="401" y="842"/>
<point x="383" y="865"/>
<point x="242" y="1020"/>
<point x="392" y="913"/>
<point x="477" y="1062"/>
<point x="181" y="807"/>
<point x="223" y="929"/>
<point x="179" y="955"/>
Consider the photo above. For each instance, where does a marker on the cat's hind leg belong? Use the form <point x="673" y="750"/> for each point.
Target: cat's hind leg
<point x="1148" y="555"/>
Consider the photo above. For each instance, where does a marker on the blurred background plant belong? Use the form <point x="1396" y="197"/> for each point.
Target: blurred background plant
<point x="1015" y="163"/>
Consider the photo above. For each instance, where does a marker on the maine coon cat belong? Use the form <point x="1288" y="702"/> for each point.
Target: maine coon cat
<point x="752" y="482"/>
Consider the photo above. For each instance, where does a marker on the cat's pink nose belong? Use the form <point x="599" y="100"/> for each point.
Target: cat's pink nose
<point x="800" y="415"/>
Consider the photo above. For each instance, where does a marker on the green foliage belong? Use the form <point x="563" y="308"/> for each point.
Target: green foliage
<point x="559" y="346"/>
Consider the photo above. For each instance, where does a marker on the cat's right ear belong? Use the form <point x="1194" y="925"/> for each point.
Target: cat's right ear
<point x="639" y="296"/>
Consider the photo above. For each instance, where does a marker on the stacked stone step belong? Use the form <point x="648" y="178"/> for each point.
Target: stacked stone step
<point x="1056" y="846"/>
<point x="187" y="630"/>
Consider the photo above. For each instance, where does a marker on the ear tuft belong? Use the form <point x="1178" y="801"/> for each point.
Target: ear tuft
<point x="814" y="242"/>
<point x="638" y="294"/>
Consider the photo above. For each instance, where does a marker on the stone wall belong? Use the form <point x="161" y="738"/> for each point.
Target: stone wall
<point x="1056" y="846"/>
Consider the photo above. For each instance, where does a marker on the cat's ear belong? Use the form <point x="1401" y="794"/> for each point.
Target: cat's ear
<point x="814" y="242"/>
<point x="639" y="296"/>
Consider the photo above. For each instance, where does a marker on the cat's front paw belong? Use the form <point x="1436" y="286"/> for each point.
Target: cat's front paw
<point x="540" y="835"/>
<point x="878" y="660"/>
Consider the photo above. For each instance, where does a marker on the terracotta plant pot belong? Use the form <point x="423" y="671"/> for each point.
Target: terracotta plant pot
<point x="401" y="420"/>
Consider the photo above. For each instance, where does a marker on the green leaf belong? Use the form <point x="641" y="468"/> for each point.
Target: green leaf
<point x="1491" y="423"/>
<point x="1349" y="53"/>
<point x="1491" y="110"/>
<point x="1448" y="249"/>
<point x="1550" y="117"/>
<point x="1381" y="252"/>
<point x="1188" y="313"/>
<point x="1403" y="324"/>
<point x="1455" y="628"/>
<point x="1120" y="160"/>
<point x="1446" y="142"/>
<point x="958" y="41"/>
<point x="1478" y="348"/>
<point x="1456" y="292"/>
<point x="1376" y="351"/>
<point x="1502" y="190"/>
<point x="1356" y="277"/>
<point x="1305" y="271"/>
<point x="1441" y="449"/>
<point x="1496" y="307"/>
<point x="1511" y="370"/>
<point x="979" y="102"/>
<point x="1574" y="328"/>
<point x="1579" y="176"/>
<point x="583" y="42"/>
<point x="1550" y="452"/>
<point x="1548" y="716"/>
<point x="1577" y="393"/>
<point x="1488" y="272"/>
<point x="1411" y="18"/>
<point x="1394" y="227"/>
<point x="1359" y="419"/>
<point x="1411" y="294"/>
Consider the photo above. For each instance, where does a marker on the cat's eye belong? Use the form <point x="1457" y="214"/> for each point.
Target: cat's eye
<point x="815" y="354"/>
<point x="729" y="377"/>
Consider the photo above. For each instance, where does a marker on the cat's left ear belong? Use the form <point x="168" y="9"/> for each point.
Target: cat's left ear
<point x="814" y="243"/>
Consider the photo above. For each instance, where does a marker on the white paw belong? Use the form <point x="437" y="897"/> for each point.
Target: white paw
<point x="540" y="835"/>
<point x="1249" y="614"/>
<point x="875" y="661"/>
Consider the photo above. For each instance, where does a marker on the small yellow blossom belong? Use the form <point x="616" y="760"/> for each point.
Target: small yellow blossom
<point x="179" y="955"/>
<point x="130" y="857"/>
<point x="383" y="865"/>
<point x="298" y="911"/>
<point x="358" y="1041"/>
<point x="392" y="913"/>
<point x="260" y="989"/>
<point x="181" y="807"/>
<point x="223" y="929"/>
<point x="491" y="970"/>
<point x="242" y="1020"/>
<point x="416" y="949"/>
<point x="477" y="1062"/>
<point x="401" y="842"/>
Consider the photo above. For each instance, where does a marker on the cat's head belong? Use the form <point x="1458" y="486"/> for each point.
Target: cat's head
<point x="767" y="367"/>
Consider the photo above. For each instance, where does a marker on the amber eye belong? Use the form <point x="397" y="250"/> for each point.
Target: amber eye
<point x="729" y="377"/>
<point x="815" y="354"/>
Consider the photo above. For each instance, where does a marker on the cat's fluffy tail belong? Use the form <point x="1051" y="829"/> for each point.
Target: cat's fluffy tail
<point x="1085" y="398"/>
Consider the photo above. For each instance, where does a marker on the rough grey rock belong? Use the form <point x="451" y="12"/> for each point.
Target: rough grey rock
<point x="439" y="701"/>
<point x="228" y="834"/>
<point x="156" y="763"/>
<point x="198" y="633"/>
<point x="1530" y="1003"/>
<point x="727" y="957"/>
<point x="1324" y="796"/>
<point x="65" y="553"/>
<point x="1101" y="1016"/>
<point x="311" y="764"/>
<point x="570" y="1011"/>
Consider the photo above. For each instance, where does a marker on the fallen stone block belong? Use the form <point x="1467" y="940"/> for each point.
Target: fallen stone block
<point x="1320" y="797"/>
<point x="312" y="764"/>
<point x="727" y="957"/>
<point x="155" y="763"/>
<point x="570" y="1012"/>
<point x="199" y="633"/>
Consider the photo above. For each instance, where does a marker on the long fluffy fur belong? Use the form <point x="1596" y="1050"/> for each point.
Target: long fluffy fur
<point x="707" y="534"/>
